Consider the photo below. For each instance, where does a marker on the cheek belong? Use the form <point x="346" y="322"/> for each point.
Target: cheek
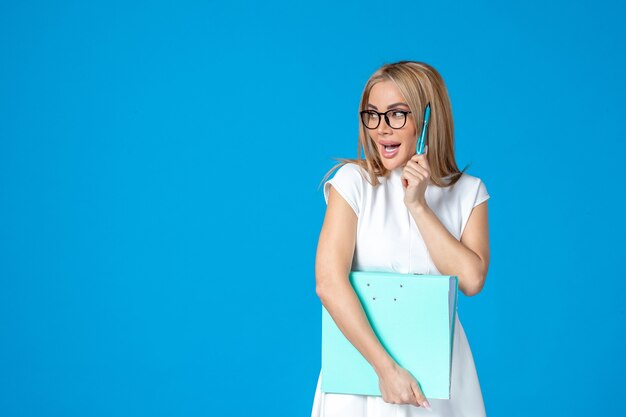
<point x="412" y="143"/>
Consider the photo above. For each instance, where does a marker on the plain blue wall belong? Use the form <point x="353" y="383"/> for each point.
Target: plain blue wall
<point x="160" y="209"/>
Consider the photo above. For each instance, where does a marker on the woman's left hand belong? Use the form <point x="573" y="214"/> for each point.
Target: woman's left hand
<point x="415" y="177"/>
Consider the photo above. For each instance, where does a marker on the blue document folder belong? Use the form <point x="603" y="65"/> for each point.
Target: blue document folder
<point x="413" y="317"/>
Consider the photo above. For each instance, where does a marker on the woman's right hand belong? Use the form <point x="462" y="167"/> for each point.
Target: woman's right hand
<point x="398" y="386"/>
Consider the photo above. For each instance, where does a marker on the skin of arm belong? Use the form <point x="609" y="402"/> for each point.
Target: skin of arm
<point x="468" y="258"/>
<point x="333" y="263"/>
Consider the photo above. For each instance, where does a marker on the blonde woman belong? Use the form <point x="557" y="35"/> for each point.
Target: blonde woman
<point x="399" y="211"/>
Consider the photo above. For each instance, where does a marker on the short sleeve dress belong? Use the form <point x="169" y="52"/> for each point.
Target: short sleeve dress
<point x="388" y="240"/>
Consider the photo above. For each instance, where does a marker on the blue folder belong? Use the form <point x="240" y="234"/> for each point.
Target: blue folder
<point x="413" y="317"/>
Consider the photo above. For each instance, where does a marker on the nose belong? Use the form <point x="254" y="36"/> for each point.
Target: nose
<point x="383" y="127"/>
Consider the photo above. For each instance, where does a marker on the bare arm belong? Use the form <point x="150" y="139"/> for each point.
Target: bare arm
<point x="469" y="258"/>
<point x="333" y="263"/>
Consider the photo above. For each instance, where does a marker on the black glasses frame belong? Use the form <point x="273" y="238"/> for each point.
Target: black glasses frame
<point x="364" y="112"/>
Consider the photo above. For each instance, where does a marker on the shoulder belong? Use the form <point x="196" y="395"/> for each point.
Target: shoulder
<point x="467" y="180"/>
<point x="348" y="181"/>
<point x="471" y="189"/>
<point x="351" y="168"/>
<point x="349" y="172"/>
<point x="470" y="192"/>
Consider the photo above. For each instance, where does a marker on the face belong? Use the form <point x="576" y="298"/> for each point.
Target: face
<point x="385" y="96"/>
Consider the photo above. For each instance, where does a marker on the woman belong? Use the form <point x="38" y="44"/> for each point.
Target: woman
<point x="399" y="211"/>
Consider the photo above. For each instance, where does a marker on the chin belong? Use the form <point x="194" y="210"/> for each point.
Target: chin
<point x="396" y="162"/>
<point x="393" y="166"/>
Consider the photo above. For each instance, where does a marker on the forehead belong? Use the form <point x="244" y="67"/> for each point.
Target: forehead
<point x="384" y="94"/>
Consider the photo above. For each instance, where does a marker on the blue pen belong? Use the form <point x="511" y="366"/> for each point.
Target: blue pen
<point x="422" y="139"/>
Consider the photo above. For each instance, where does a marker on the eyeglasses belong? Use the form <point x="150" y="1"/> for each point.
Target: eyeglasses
<point x="395" y="119"/>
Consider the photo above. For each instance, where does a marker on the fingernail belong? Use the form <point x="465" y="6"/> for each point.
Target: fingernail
<point x="426" y="405"/>
<point x="426" y="150"/>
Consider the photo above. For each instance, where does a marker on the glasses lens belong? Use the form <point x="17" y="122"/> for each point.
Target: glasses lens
<point x="396" y="119"/>
<point x="370" y="119"/>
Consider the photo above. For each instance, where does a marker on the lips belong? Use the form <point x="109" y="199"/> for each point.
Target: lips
<point x="389" y="154"/>
<point x="388" y="142"/>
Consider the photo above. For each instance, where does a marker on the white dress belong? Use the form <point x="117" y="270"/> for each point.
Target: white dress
<point x="388" y="240"/>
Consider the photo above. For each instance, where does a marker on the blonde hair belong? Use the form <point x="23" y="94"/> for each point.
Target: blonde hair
<point x="419" y="84"/>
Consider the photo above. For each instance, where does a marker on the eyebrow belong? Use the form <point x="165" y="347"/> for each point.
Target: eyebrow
<point x="390" y="106"/>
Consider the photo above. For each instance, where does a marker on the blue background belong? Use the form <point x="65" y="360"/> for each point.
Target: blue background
<point x="160" y="209"/>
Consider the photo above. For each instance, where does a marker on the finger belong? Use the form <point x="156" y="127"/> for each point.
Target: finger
<point x="419" y="166"/>
<point x="416" y="395"/>
<point x="421" y="399"/>
<point x="420" y="160"/>
<point x="417" y="174"/>
<point x="425" y="163"/>
<point x="413" y="400"/>
<point x="412" y="169"/>
<point x="412" y="178"/>
<point x="405" y="182"/>
<point x="411" y="163"/>
<point x="422" y="154"/>
<point x="423" y="170"/>
<point x="406" y="397"/>
<point x="425" y="151"/>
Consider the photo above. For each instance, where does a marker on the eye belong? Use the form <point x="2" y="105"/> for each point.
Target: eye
<point x="398" y="114"/>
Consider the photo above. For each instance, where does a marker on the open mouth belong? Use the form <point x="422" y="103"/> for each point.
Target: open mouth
<point x="389" y="150"/>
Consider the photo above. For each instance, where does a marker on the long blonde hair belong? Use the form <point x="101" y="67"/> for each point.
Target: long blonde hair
<point x="419" y="84"/>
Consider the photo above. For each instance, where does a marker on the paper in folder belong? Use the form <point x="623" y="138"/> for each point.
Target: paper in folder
<point x="412" y="315"/>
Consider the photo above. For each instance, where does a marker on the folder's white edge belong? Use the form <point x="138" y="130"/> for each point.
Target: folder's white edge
<point x="454" y="288"/>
